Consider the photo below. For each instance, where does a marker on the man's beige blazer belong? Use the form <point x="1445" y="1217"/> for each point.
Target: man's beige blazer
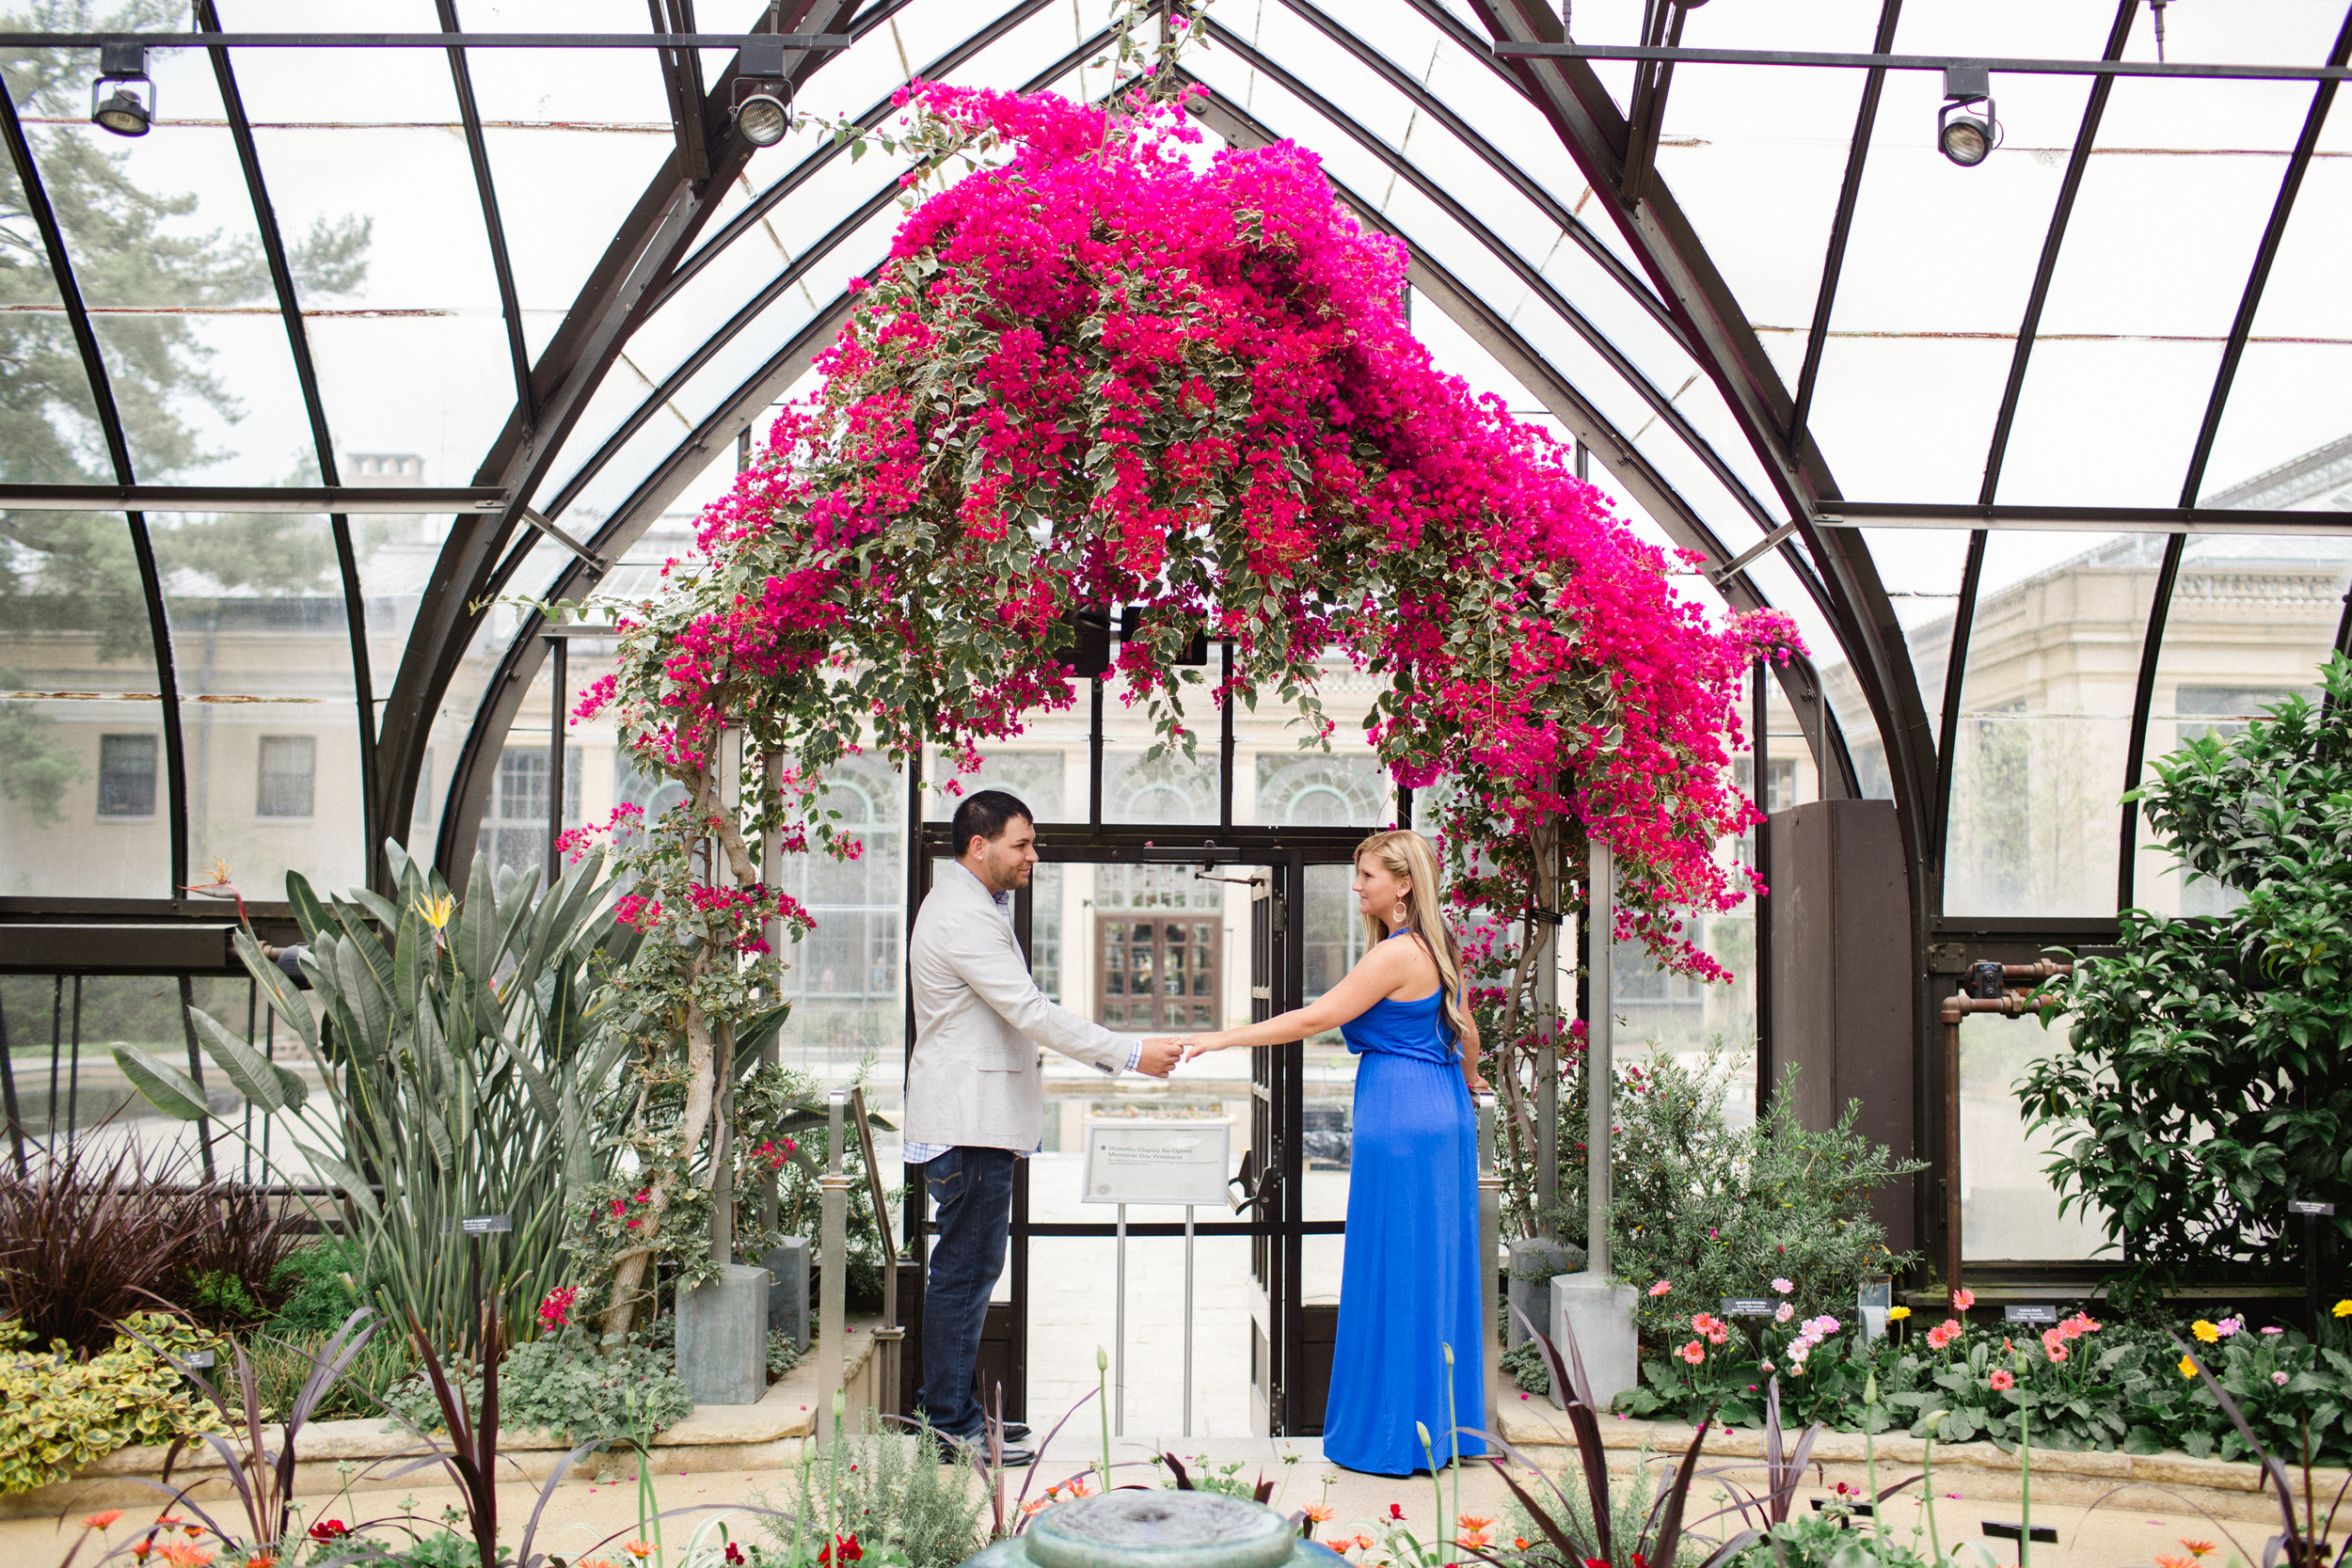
<point x="975" y="1078"/>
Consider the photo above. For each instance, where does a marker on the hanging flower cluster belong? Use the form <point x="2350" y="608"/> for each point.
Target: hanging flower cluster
<point x="1106" y="371"/>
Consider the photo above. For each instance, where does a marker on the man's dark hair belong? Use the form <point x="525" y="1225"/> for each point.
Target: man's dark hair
<point x="985" y="816"/>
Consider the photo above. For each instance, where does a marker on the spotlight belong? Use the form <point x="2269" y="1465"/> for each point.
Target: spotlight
<point x="763" y="100"/>
<point x="1964" y="134"/>
<point x="126" y="113"/>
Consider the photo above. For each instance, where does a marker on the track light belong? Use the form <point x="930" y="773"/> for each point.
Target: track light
<point x="1962" y="134"/>
<point x="763" y="100"/>
<point x="127" y="112"/>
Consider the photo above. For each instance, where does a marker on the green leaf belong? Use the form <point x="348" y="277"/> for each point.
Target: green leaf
<point x="259" y="1079"/>
<point x="161" y="1084"/>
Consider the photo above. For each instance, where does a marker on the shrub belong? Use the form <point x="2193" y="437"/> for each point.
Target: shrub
<point x="92" y="1238"/>
<point x="887" y="1490"/>
<point x="1711" y="1211"/>
<point x="281" y="1366"/>
<point x="58" y="1413"/>
<point x="321" y="1284"/>
<point x="2203" y="1082"/>
<point x="563" y="1385"/>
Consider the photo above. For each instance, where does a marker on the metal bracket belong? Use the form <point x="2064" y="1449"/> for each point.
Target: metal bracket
<point x="596" y="561"/>
<point x="1770" y="542"/>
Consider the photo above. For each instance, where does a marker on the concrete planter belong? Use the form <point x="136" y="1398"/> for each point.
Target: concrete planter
<point x="1976" y="1471"/>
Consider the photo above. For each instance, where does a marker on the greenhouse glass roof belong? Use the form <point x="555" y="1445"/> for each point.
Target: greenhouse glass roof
<point x="374" y="331"/>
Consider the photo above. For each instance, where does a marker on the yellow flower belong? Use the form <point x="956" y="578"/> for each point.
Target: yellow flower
<point x="2343" y="1309"/>
<point x="1897" y="1314"/>
<point x="436" y="911"/>
<point x="2189" y="1366"/>
<point x="2209" y="1334"/>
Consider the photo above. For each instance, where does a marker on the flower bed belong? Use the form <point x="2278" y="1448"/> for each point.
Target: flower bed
<point x="2078" y="1385"/>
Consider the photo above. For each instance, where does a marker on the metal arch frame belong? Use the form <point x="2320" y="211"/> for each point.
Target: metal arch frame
<point x="800" y="173"/>
<point x="502" y="265"/>
<point x="1664" y="408"/>
<point x="2193" y="480"/>
<point x="470" y="779"/>
<point x="1509" y="169"/>
<point x="682" y="84"/>
<point x="315" y="410"/>
<point x="732" y="327"/>
<point x="1587" y="121"/>
<point x="1996" y="452"/>
<point x="1469" y="310"/>
<point x="609" y="305"/>
<point x="119" y="453"/>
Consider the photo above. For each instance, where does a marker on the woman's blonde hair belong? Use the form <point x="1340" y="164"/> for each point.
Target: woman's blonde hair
<point x="1410" y="858"/>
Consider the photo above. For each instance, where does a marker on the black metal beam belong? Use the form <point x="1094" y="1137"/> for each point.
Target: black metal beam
<point x="1840" y="227"/>
<point x="682" y="84"/>
<point x="315" y="410"/>
<point x="119" y="453"/>
<point x="610" y="307"/>
<point x="2077" y="519"/>
<point x="352" y="499"/>
<point x="478" y="153"/>
<point x="2250" y="304"/>
<point x="1510" y="170"/>
<point x="1516" y="50"/>
<point x="827" y="41"/>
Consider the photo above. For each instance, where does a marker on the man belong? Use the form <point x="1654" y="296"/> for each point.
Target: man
<point x="975" y="1098"/>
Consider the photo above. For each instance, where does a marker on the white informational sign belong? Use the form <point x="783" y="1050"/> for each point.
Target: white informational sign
<point x="1156" y="1162"/>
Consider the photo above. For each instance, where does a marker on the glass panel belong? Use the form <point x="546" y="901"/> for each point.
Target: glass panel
<point x="2253" y="618"/>
<point x="844" y="980"/>
<point x="161" y="231"/>
<point x="264" y="649"/>
<point x="1921" y="569"/>
<point x="85" y="806"/>
<point x="2007" y="1207"/>
<point x="2044" y="721"/>
<point x="1049" y="779"/>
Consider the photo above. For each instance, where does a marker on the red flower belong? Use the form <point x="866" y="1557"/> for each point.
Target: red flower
<point x="330" y="1529"/>
<point x="844" y="1549"/>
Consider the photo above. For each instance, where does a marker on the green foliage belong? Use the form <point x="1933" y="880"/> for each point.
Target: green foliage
<point x="1716" y="1212"/>
<point x="282" y="1364"/>
<point x="887" y="1490"/>
<point x="58" y="1413"/>
<point x="784" y="1353"/>
<point x="322" y="1282"/>
<point x="562" y="1385"/>
<point x="458" y="1064"/>
<point x="2207" y="1078"/>
<point x="1526" y="1368"/>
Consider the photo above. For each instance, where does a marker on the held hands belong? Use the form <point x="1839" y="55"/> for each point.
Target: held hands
<point x="1161" y="1052"/>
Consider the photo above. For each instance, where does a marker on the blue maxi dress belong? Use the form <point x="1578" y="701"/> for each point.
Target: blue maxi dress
<point x="1408" y="1286"/>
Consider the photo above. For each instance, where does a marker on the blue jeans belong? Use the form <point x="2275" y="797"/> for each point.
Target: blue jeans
<point x="970" y="1197"/>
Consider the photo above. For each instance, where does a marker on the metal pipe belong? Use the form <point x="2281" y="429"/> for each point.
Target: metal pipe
<point x="2011" y="67"/>
<point x="833" y="1241"/>
<point x="559" y="662"/>
<point x="1548" y="887"/>
<point x="1599" y="1063"/>
<point x="771" y="933"/>
<point x="1188" y="1264"/>
<point x="2014" y="1004"/>
<point x="1118" y="1334"/>
<point x="1489" y="1257"/>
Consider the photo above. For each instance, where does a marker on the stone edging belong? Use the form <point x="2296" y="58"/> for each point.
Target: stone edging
<point x="1975" y="1472"/>
<point x="743" y="1437"/>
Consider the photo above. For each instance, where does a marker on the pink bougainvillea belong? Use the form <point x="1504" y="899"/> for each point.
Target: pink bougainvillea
<point x="1109" y="371"/>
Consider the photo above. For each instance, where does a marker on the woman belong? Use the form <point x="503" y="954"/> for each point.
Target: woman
<point x="1409" y="1287"/>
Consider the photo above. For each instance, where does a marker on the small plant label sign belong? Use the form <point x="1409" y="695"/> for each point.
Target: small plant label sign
<point x="1749" y="1306"/>
<point x="2029" y="1314"/>
<point x="485" y="1225"/>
